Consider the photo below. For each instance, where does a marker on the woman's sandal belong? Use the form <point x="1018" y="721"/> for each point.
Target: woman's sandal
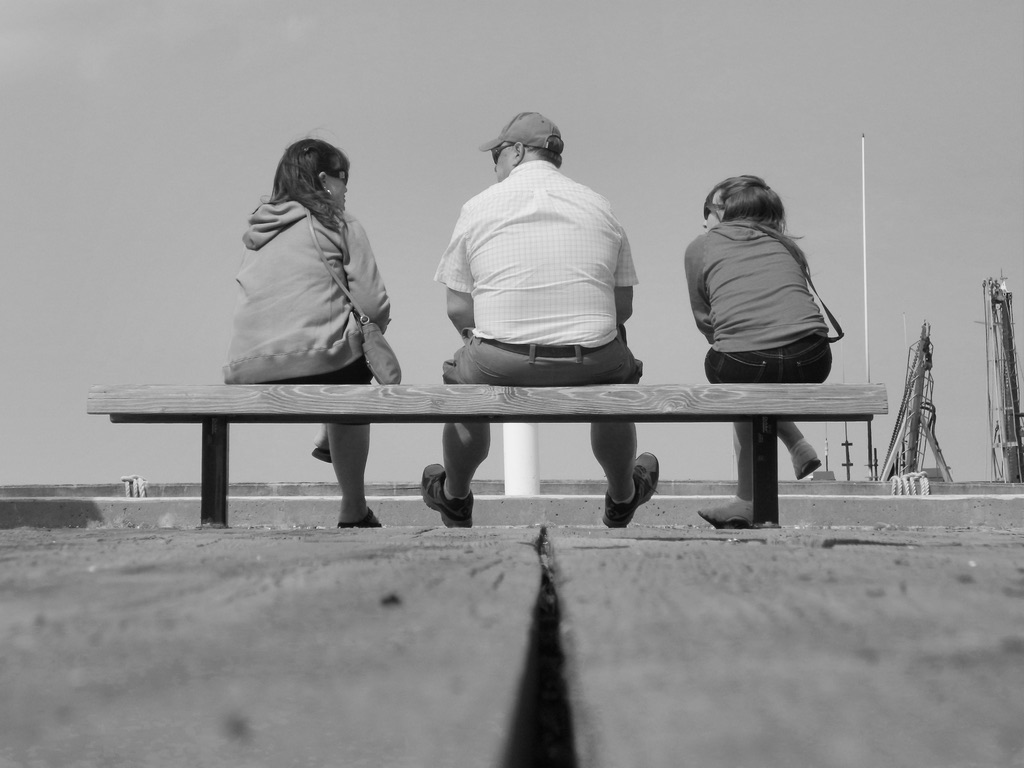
<point x="739" y="513"/>
<point x="370" y="521"/>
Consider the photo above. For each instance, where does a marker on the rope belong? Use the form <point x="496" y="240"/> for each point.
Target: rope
<point x="134" y="486"/>
<point x="911" y="484"/>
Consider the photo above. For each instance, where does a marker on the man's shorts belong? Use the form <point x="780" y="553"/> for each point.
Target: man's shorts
<point x="478" y="362"/>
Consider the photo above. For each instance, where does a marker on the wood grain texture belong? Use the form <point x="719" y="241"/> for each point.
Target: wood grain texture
<point x="471" y="402"/>
<point x="396" y="647"/>
<point x="793" y="648"/>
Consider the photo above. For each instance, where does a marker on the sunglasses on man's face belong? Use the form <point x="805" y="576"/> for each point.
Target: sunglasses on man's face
<point x="496" y="152"/>
<point x="717" y="209"/>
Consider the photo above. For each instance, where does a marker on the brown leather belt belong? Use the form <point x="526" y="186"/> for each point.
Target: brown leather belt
<point x="540" y="350"/>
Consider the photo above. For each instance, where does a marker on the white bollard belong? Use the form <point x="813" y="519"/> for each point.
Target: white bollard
<point x="522" y="459"/>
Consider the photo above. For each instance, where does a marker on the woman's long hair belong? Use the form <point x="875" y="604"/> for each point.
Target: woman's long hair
<point x="298" y="178"/>
<point x="748" y="200"/>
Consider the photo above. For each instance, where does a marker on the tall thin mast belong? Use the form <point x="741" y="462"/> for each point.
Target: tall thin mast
<point x="864" y="240"/>
<point x="864" y="237"/>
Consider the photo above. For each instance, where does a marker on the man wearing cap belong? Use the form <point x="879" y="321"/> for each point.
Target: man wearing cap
<point x="539" y="277"/>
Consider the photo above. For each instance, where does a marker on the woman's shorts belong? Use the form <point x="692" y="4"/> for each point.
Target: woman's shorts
<point x="357" y="372"/>
<point x="807" y="361"/>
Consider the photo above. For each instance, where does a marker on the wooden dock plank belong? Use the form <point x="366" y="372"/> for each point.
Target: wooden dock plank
<point x="262" y="648"/>
<point x="833" y="649"/>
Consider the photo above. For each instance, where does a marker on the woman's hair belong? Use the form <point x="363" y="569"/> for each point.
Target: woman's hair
<point x="748" y="200"/>
<point x="298" y="178"/>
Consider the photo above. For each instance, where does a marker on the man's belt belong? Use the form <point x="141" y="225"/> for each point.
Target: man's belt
<point x="542" y="350"/>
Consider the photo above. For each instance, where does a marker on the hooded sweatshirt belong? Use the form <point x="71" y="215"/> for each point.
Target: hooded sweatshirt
<point x="291" y="318"/>
<point x="747" y="292"/>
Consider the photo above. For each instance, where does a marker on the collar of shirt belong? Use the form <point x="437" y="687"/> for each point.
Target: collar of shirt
<point x="534" y="165"/>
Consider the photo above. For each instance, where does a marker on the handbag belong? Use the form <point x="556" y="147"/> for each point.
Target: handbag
<point x="378" y="352"/>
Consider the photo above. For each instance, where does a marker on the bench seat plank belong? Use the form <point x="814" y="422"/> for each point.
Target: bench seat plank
<point x="471" y="402"/>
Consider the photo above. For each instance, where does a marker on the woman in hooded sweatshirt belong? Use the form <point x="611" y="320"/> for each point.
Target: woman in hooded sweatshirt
<point x="749" y="295"/>
<point x="293" y="324"/>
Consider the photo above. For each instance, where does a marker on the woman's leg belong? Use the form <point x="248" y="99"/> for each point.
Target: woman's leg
<point x="738" y="368"/>
<point x="801" y="453"/>
<point x="789" y="434"/>
<point x="322" y="445"/>
<point x="743" y="443"/>
<point x="350" y="445"/>
<point x="807" y="361"/>
<point x="738" y="513"/>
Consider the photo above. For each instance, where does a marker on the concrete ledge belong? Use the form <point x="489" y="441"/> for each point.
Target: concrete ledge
<point x="1002" y="511"/>
<point x="483" y="487"/>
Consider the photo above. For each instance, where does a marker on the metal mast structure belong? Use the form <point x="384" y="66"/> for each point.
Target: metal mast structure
<point x="915" y="423"/>
<point x="1004" y="416"/>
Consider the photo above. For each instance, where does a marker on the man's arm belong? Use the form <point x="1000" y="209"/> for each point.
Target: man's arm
<point x="460" y="310"/>
<point x="623" y="304"/>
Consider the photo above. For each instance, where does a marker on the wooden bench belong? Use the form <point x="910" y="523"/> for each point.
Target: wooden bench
<point x="216" y="406"/>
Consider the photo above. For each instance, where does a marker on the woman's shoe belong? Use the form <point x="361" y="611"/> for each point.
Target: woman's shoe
<point x="323" y="453"/>
<point x="805" y="459"/>
<point x="807" y="469"/>
<point x="370" y="521"/>
<point x="739" y="513"/>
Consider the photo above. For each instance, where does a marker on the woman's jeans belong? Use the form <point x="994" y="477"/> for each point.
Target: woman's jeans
<point x="807" y="361"/>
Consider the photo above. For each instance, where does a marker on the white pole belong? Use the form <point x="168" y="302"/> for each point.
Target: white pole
<point x="864" y="234"/>
<point x="867" y="354"/>
<point x="522" y="459"/>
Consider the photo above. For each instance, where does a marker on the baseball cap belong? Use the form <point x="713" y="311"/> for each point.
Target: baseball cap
<point x="530" y="128"/>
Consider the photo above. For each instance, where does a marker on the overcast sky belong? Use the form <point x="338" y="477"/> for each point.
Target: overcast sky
<point x="137" y="136"/>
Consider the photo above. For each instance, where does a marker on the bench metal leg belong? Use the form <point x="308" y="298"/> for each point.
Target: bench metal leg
<point x="214" y="505"/>
<point x="766" y="471"/>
